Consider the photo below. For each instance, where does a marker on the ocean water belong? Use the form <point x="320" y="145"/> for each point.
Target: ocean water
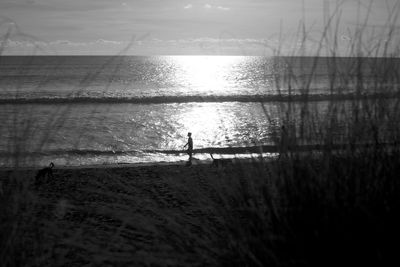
<point x="77" y="110"/>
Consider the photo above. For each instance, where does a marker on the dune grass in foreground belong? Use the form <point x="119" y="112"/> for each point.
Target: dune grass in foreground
<point x="330" y="209"/>
<point x="307" y="211"/>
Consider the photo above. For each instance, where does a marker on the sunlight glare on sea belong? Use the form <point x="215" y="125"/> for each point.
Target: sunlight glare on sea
<point x="206" y="74"/>
<point x="85" y="110"/>
<point x="206" y="122"/>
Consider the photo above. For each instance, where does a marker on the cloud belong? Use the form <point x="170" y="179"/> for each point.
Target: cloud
<point x="223" y="8"/>
<point x="10" y="43"/>
<point x="21" y="44"/>
<point x="64" y="42"/>
<point x="108" y="42"/>
<point x="155" y="46"/>
<point x="208" y="6"/>
<point x="97" y="42"/>
<point x="31" y="43"/>
<point x="211" y="42"/>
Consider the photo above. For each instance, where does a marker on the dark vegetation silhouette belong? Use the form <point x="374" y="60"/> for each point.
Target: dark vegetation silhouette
<point x="330" y="208"/>
<point x="18" y="200"/>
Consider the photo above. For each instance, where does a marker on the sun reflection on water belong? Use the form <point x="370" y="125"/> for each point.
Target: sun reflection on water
<point x="206" y="122"/>
<point x="224" y="124"/>
<point x="206" y="74"/>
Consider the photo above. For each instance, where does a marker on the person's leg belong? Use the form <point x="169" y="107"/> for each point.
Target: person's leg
<point x="189" y="162"/>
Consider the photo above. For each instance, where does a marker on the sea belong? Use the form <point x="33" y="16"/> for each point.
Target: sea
<point x="95" y="110"/>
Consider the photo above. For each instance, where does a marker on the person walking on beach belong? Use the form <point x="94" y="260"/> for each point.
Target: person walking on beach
<point x="189" y="151"/>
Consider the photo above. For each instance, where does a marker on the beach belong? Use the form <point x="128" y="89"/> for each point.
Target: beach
<point x="289" y="110"/>
<point x="303" y="210"/>
<point x="133" y="215"/>
<point x="122" y="195"/>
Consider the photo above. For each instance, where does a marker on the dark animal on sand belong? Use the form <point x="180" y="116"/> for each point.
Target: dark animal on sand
<point x="44" y="174"/>
<point x="220" y="162"/>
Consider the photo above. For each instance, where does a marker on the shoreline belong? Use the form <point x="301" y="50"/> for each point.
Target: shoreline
<point x="169" y="214"/>
<point x="135" y="214"/>
<point x="239" y="154"/>
<point x="120" y="165"/>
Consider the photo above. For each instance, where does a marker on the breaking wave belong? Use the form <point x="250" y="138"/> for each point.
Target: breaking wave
<point x="189" y="99"/>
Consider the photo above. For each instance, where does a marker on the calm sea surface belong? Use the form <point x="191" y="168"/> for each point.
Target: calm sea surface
<point x="94" y="110"/>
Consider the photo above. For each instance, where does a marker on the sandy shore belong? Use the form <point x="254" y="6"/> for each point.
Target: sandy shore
<point x="126" y="215"/>
<point x="304" y="210"/>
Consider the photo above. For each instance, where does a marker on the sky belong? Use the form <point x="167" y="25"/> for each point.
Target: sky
<point x="195" y="27"/>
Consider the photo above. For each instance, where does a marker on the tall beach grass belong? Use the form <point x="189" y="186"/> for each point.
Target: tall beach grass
<point x="333" y="207"/>
<point x="326" y="208"/>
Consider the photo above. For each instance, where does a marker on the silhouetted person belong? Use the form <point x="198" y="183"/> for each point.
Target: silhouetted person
<point x="189" y="144"/>
<point x="44" y="175"/>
